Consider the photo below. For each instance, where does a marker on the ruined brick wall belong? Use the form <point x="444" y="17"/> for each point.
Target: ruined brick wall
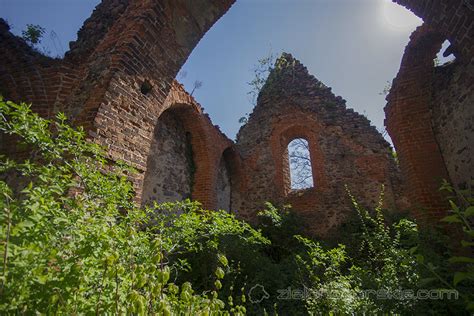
<point x="344" y="148"/>
<point x="26" y="75"/>
<point x="117" y="80"/>
<point x="453" y="19"/>
<point x="99" y="82"/>
<point x="169" y="173"/>
<point x="452" y="108"/>
<point x="428" y="110"/>
<point x="194" y="135"/>
<point x="408" y="121"/>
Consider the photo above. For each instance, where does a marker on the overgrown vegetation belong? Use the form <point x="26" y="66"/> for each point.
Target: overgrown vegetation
<point x="73" y="242"/>
<point x="261" y="71"/>
<point x="33" y="34"/>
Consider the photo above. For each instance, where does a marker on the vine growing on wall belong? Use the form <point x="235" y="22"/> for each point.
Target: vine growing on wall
<point x="262" y="77"/>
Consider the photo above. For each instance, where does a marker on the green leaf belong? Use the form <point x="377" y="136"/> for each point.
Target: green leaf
<point x="451" y="219"/>
<point x="413" y="250"/>
<point x="469" y="211"/>
<point x="460" y="276"/>
<point x="42" y="279"/>
<point x="420" y="258"/>
<point x="467" y="243"/>
<point x="461" y="259"/>
<point x="454" y="206"/>
<point x="220" y="273"/>
<point x="426" y="281"/>
<point x="223" y="260"/>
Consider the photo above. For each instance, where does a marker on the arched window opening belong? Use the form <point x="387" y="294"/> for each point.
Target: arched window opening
<point x="223" y="185"/>
<point x="301" y="173"/>
<point x="445" y="54"/>
<point x="170" y="167"/>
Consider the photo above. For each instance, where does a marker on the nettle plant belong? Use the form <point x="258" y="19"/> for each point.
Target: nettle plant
<point x="73" y="242"/>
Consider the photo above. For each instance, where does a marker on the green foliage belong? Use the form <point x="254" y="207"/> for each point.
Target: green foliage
<point x="386" y="88"/>
<point x="261" y="72"/>
<point x="73" y="241"/>
<point x="244" y="119"/>
<point x="395" y="156"/>
<point x="387" y="263"/>
<point x="33" y="34"/>
<point x="331" y="287"/>
<point x="459" y="274"/>
<point x="382" y="262"/>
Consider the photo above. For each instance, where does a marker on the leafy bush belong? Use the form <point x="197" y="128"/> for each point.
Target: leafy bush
<point x="388" y="264"/>
<point x="342" y="284"/>
<point x="73" y="241"/>
<point x="454" y="268"/>
<point x="33" y="34"/>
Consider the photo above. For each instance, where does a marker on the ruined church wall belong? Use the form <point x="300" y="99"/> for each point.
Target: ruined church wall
<point x="99" y="82"/>
<point x="452" y="108"/>
<point x="428" y="110"/>
<point x="169" y="175"/>
<point x="128" y="42"/>
<point x="345" y="150"/>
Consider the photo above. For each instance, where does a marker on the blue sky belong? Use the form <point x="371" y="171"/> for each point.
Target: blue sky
<point x="353" y="46"/>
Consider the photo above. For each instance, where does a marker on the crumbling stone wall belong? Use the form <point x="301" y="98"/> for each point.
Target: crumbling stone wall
<point x="169" y="174"/>
<point x="408" y="121"/>
<point x="223" y="186"/>
<point x="344" y="148"/>
<point x="452" y="108"/>
<point x="123" y="45"/>
<point x="118" y="79"/>
<point x="428" y="134"/>
<point x="204" y="142"/>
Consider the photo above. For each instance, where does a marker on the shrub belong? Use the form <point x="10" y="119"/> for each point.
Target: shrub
<point x="73" y="241"/>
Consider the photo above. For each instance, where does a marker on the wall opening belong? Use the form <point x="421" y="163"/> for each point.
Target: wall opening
<point x="224" y="185"/>
<point x="445" y="54"/>
<point x="170" y="165"/>
<point x="301" y="173"/>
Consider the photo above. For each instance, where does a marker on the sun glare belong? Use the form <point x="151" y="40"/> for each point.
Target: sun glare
<point x="397" y="17"/>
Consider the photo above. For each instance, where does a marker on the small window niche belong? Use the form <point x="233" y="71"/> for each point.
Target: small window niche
<point x="301" y="173"/>
<point x="445" y="54"/>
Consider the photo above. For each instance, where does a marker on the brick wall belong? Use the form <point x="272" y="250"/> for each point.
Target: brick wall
<point x="452" y="108"/>
<point x="428" y="110"/>
<point x="118" y="79"/>
<point x="453" y="19"/>
<point x="344" y="148"/>
<point x="99" y="82"/>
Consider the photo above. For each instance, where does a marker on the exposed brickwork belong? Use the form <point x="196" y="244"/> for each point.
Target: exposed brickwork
<point x="118" y="82"/>
<point x="344" y="149"/>
<point x="427" y="132"/>
<point x="123" y="44"/>
<point x="428" y="113"/>
<point x="27" y="75"/>
<point x="453" y="19"/>
<point x="408" y="121"/>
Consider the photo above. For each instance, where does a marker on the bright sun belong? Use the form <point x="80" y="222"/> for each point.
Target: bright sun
<point x="397" y="17"/>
